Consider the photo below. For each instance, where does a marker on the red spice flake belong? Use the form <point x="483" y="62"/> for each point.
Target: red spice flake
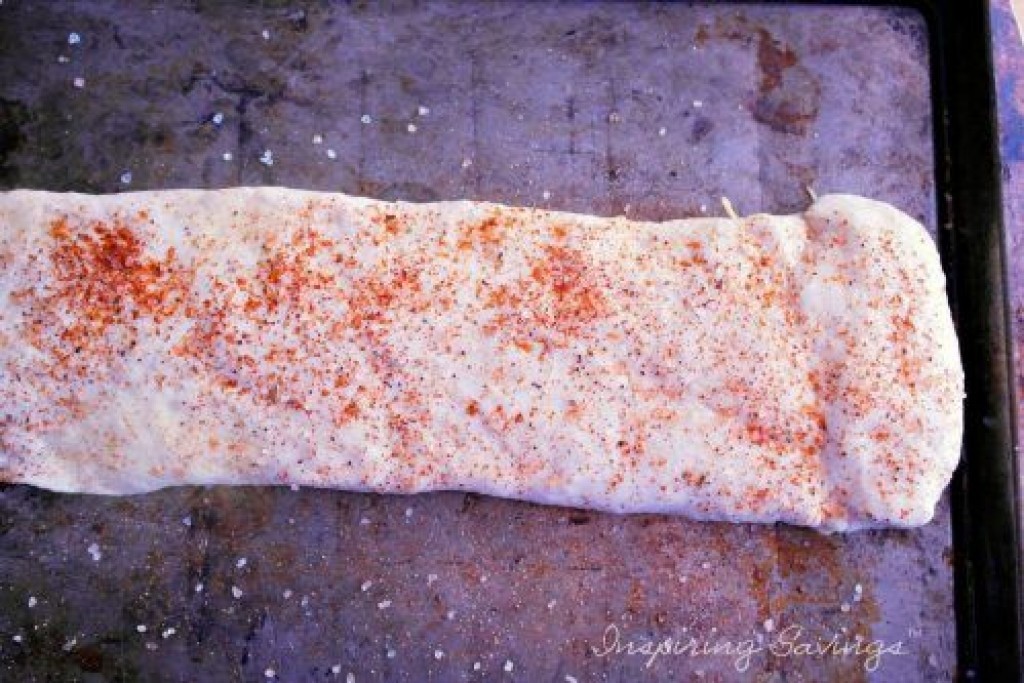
<point x="488" y="232"/>
<point x="472" y="408"/>
<point x="103" y="277"/>
<point x="374" y="296"/>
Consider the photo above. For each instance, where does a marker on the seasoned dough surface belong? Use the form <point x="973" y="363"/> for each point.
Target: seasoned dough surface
<point x="794" y="368"/>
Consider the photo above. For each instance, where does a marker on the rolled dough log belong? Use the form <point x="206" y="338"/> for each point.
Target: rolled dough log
<point x="798" y="368"/>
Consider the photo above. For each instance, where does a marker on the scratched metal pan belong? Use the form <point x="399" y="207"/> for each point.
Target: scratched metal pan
<point x="653" y="111"/>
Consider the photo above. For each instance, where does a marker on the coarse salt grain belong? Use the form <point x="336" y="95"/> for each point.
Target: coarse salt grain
<point x="476" y="666"/>
<point x="336" y="669"/>
<point x="570" y="679"/>
<point x="546" y="194"/>
<point x="62" y="59"/>
<point x="269" y="673"/>
<point x="318" y="139"/>
<point x="236" y="592"/>
<point x="408" y="512"/>
<point x="431" y="578"/>
<point x="217" y="119"/>
<point x="366" y="119"/>
<point x="168" y="632"/>
<point x="267" y="158"/>
<point x="32" y="602"/>
<point x="287" y="593"/>
<point x="769" y="625"/>
<point x="698" y="104"/>
<point x="845" y="607"/>
<point x="451" y="614"/>
<point x="74" y="39"/>
<point x="79" y="82"/>
<point x="438" y="654"/>
<point x="126" y="178"/>
<point x="241" y="562"/>
<point x="466" y="163"/>
<point x="331" y="154"/>
<point x="662" y="132"/>
<point x="17" y="638"/>
<point x="350" y="678"/>
<point x="509" y="666"/>
<point x="94" y="552"/>
<point x="366" y="586"/>
<point x="266" y="34"/>
<point x="423" y="111"/>
<point x="227" y="156"/>
<point x="383" y="604"/>
<point x="141" y="628"/>
<point x="391" y="654"/>
<point x="199" y="588"/>
<point x="411" y="128"/>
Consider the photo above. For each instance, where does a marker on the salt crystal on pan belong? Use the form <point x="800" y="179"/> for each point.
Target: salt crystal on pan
<point x="411" y="127"/>
<point x="318" y="139"/>
<point x="168" y="632"/>
<point x="366" y="586"/>
<point x="570" y="679"/>
<point x="287" y="593"/>
<point x="295" y="487"/>
<point x="383" y="604"/>
<point x="365" y="118"/>
<point x="451" y="614"/>
<point x="546" y="194"/>
<point x="476" y="666"/>
<point x="61" y="59"/>
<point x="663" y="132"/>
<point x="266" y="34"/>
<point x="74" y="38"/>
<point x="199" y="588"/>
<point x="187" y="521"/>
<point x="79" y="82"/>
<point x="94" y="551"/>
<point x="17" y="638"/>
<point x="392" y="653"/>
<point x="438" y="654"/>
<point x="698" y="104"/>
<point x="32" y="602"/>
<point x="269" y="673"/>
<point x="769" y="625"/>
<point x="423" y="111"/>
<point x="217" y="119"/>
<point x="350" y="678"/>
<point x="236" y="591"/>
<point x="331" y="154"/>
<point x="336" y="669"/>
<point x="408" y="512"/>
<point x="845" y="607"/>
<point x="241" y="562"/>
<point x="126" y="178"/>
<point x="227" y="156"/>
<point x="431" y="578"/>
<point x="466" y="163"/>
<point x="141" y="628"/>
<point x="268" y="158"/>
<point x="509" y="665"/>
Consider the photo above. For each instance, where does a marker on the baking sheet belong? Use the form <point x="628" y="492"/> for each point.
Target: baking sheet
<point x="654" y="111"/>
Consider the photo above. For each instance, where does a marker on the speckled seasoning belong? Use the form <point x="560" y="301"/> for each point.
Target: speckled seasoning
<point x="798" y="368"/>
